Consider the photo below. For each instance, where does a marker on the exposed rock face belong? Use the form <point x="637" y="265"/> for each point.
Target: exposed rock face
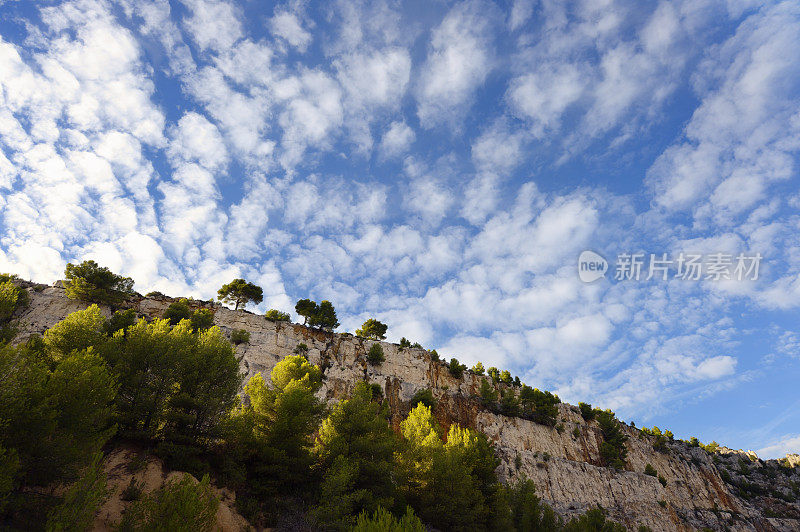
<point x="564" y="462"/>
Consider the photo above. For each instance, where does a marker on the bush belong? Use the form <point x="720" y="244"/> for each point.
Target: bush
<point x="594" y="519"/>
<point x="505" y="377"/>
<point x="662" y="503"/>
<point x="12" y="298"/>
<point x="477" y="369"/>
<point x="488" y="394"/>
<point x="133" y="492"/>
<point x="81" y="501"/>
<point x="178" y="505"/>
<point x="384" y="521"/>
<point x="612" y="451"/>
<point x="177" y="311"/>
<point x="425" y="397"/>
<point x="650" y="470"/>
<point x="587" y="412"/>
<point x="90" y="282"/>
<point x="538" y="406"/>
<point x="375" y="355"/>
<point x="456" y="368"/>
<point x="434" y="355"/>
<point x="120" y="321"/>
<point x="202" y="320"/>
<point x="404" y="343"/>
<point x="240" y="336"/>
<point x="301" y="349"/>
<point x="276" y="315"/>
<point x="662" y="480"/>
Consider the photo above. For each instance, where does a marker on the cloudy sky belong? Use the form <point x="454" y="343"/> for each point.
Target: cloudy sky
<point x="439" y="166"/>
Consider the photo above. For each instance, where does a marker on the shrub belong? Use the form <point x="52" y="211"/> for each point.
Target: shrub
<point x="488" y="394"/>
<point x="662" y="503"/>
<point x="178" y="505"/>
<point x="154" y="293"/>
<point x="301" y="349"/>
<point x="12" y="298"/>
<point x="202" y="319"/>
<point x="612" y="451"/>
<point x="425" y="397"/>
<point x="377" y="391"/>
<point x="539" y="406"/>
<point x="594" y="519"/>
<point x="177" y="311"/>
<point x="650" y="470"/>
<point x="576" y="433"/>
<point x="662" y="480"/>
<point x="372" y="329"/>
<point x="133" y="492"/>
<point x="509" y="403"/>
<point x="81" y="501"/>
<point x="276" y="315"/>
<point x="404" y="343"/>
<point x="493" y="373"/>
<point x="477" y="369"/>
<point x="505" y="376"/>
<point x="587" y="413"/>
<point x="240" y="336"/>
<point x="456" y="368"/>
<point x="375" y="355"/>
<point x="384" y="521"/>
<point x="434" y="355"/>
<point x="120" y="321"/>
<point x="90" y="282"/>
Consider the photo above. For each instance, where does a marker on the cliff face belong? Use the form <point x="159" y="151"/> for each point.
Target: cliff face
<point x="701" y="490"/>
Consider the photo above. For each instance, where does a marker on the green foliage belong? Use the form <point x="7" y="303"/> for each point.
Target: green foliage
<point x="456" y="368"/>
<point x="88" y="281"/>
<point x="177" y="311"/>
<point x="694" y="442"/>
<point x="53" y="420"/>
<point x="202" y="319"/>
<point x="488" y="394"/>
<point x="183" y="505"/>
<point x="539" y="406"/>
<point x="404" y="343"/>
<point x="375" y="355"/>
<point x="662" y="503"/>
<point x="587" y="412"/>
<point x="240" y="336"/>
<point x="384" y="521"/>
<point x="174" y="383"/>
<point x="78" y="331"/>
<point x="612" y="451"/>
<point x="81" y="501"/>
<point x="423" y="396"/>
<point x="276" y="315"/>
<point x="505" y="377"/>
<point x="477" y="369"/>
<point x="9" y="466"/>
<point x="12" y="298"/>
<point x="355" y="448"/>
<point x="593" y="520"/>
<point x="509" y="403"/>
<point x="301" y="349"/>
<point x="275" y="430"/>
<point x="528" y="512"/>
<point x="324" y="317"/>
<point x="372" y="329"/>
<point x="662" y="480"/>
<point x="305" y="308"/>
<point x="494" y="374"/>
<point x="434" y="355"/>
<point x="650" y="470"/>
<point x="120" y="321"/>
<point x="239" y="293"/>
<point x="710" y="448"/>
<point x="133" y="491"/>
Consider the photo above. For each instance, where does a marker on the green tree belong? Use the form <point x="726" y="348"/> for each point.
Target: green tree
<point x="587" y="412"/>
<point x="650" y="470"/>
<point x="539" y="406"/>
<point x="80" y="503"/>
<point x="423" y="396"/>
<point x="488" y="394"/>
<point x="240" y="336"/>
<point x="276" y="428"/>
<point x="202" y="319"/>
<point x="375" y="355"/>
<point x="494" y="374"/>
<point x="180" y="505"/>
<point x="90" y="282"/>
<point x="509" y="403"/>
<point x="276" y="315"/>
<point x="324" y="317"/>
<point x="239" y="293"/>
<point x="528" y="512"/>
<point x="612" y="451"/>
<point x="505" y="376"/>
<point x="477" y="369"/>
<point x="305" y="308"/>
<point x="404" y="343"/>
<point x="355" y="447"/>
<point x="456" y="368"/>
<point x="177" y="311"/>
<point x="120" y="321"/>
<point x="78" y="331"/>
<point x="372" y="329"/>
<point x="12" y="298"/>
<point x="383" y="521"/>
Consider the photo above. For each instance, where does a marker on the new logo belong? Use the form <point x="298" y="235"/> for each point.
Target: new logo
<point x="591" y="266"/>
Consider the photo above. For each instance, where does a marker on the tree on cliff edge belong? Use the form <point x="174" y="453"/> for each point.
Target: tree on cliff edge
<point x="240" y="292"/>
<point x="91" y="282"/>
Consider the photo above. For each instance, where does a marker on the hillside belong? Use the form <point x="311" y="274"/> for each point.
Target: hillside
<point x="726" y="490"/>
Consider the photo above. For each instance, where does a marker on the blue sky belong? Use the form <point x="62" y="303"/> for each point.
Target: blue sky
<point x="439" y="166"/>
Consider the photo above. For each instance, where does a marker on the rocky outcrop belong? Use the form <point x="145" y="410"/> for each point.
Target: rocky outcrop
<point x="701" y="490"/>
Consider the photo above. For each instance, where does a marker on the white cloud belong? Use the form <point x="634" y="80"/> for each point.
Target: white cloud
<point x="789" y="444"/>
<point x="458" y="63"/>
<point x="195" y="139"/>
<point x="287" y="26"/>
<point x="396" y="140"/>
<point x="214" y="24"/>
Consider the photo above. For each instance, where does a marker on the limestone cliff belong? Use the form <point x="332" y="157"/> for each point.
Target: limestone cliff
<point x="702" y="490"/>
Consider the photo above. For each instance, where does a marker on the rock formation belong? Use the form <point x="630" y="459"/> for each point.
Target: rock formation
<point x="729" y="490"/>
